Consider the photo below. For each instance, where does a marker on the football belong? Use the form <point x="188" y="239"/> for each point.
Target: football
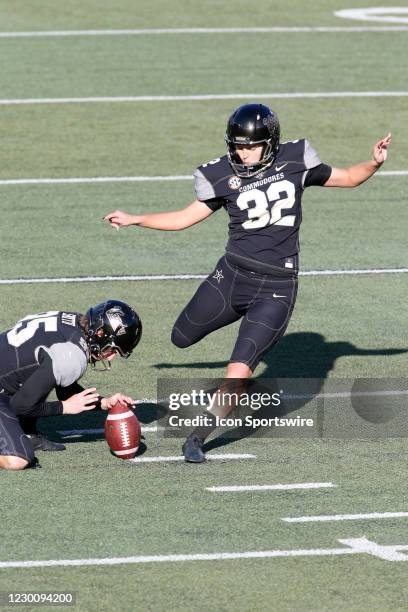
<point x="122" y="431"/>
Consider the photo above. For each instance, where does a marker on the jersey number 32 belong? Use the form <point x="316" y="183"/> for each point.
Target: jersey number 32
<point x="268" y="206"/>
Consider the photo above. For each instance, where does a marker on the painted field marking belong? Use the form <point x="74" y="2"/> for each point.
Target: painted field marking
<point x="392" y="173"/>
<point x="392" y="14"/>
<point x="98" y="279"/>
<point x="356" y="546"/>
<point x="198" y="97"/>
<point x="364" y="545"/>
<point x="352" y="272"/>
<point x="346" y="394"/>
<point x="74" y="433"/>
<point x="274" y="487"/>
<point x="131" y="179"/>
<point x="96" y="179"/>
<point x="236" y="30"/>
<point x="210" y="457"/>
<point x="174" y="277"/>
<point x="345" y="517"/>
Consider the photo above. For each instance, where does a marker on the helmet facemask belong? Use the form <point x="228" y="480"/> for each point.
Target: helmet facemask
<point x="98" y="350"/>
<point x="249" y="170"/>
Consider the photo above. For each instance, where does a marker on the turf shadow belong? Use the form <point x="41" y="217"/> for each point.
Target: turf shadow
<point x="298" y="354"/>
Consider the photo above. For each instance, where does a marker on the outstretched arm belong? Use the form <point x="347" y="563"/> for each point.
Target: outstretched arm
<point x="355" y="175"/>
<point x="176" y="220"/>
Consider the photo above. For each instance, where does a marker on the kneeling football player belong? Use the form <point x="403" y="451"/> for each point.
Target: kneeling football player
<point x="260" y="184"/>
<point x="51" y="350"/>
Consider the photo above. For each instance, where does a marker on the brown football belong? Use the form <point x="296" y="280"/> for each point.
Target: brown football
<point x="122" y="431"/>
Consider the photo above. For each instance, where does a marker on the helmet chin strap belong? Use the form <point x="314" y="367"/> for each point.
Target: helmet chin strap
<point x="105" y="365"/>
<point x="250" y="170"/>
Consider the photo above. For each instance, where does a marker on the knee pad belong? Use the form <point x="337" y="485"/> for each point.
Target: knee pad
<point x="179" y="339"/>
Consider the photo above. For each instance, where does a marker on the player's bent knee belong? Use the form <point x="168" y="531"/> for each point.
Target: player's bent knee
<point x="238" y="370"/>
<point x="179" y="339"/>
<point x="10" y="462"/>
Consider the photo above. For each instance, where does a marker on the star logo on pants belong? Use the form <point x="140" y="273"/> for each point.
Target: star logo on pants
<point x="218" y="276"/>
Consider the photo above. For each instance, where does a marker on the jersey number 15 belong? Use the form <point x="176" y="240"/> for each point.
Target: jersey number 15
<point x="26" y="328"/>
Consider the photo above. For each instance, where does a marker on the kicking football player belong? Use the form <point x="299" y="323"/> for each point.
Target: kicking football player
<point x="260" y="183"/>
<point x="49" y="351"/>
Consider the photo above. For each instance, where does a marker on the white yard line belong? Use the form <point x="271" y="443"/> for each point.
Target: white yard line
<point x="353" y="272"/>
<point x="344" y="517"/>
<point x="233" y="30"/>
<point x="345" y="394"/>
<point x="102" y="279"/>
<point x="175" y="277"/>
<point x="274" y="487"/>
<point x="132" y="179"/>
<point x="392" y="173"/>
<point x="210" y="457"/>
<point x="96" y="179"/>
<point x="73" y="433"/>
<point x="203" y="97"/>
<point x="357" y="546"/>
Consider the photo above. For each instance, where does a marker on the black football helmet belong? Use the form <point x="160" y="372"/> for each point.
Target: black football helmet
<point x="112" y="325"/>
<point x="252" y="124"/>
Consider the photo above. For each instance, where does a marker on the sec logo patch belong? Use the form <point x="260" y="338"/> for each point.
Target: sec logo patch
<point x="234" y="182"/>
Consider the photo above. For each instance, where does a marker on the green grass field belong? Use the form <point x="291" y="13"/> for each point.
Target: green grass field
<point x="86" y="504"/>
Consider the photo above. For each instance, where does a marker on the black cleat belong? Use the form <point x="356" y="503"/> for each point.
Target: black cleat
<point x="34" y="465"/>
<point x="40" y="442"/>
<point x="192" y="450"/>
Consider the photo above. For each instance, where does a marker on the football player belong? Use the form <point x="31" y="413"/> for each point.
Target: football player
<point x="51" y="350"/>
<point x="260" y="183"/>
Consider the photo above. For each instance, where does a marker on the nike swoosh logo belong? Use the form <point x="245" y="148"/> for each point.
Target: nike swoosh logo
<point x="278" y="168"/>
<point x="275" y="295"/>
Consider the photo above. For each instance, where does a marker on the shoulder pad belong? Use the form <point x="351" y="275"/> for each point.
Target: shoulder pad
<point x="211" y="179"/>
<point x="69" y="362"/>
<point x="298" y="152"/>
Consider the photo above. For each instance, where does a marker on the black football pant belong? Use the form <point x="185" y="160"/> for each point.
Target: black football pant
<point x="264" y="302"/>
<point x="13" y="441"/>
<point x="28" y="425"/>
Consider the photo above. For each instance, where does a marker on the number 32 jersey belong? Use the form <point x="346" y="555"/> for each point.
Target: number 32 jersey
<point x="265" y="210"/>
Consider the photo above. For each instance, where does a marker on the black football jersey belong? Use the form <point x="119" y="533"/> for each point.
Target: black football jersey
<point x="265" y="210"/>
<point x="41" y="352"/>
